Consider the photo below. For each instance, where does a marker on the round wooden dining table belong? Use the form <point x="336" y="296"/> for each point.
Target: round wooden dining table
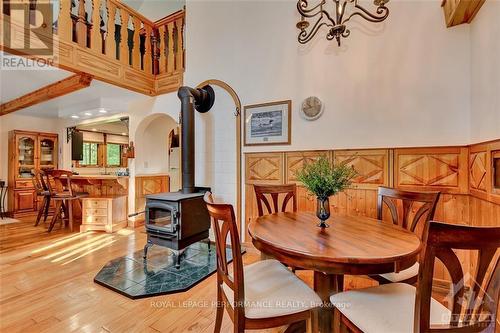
<point x="353" y="245"/>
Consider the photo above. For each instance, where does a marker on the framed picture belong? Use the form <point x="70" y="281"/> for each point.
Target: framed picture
<point x="268" y="124"/>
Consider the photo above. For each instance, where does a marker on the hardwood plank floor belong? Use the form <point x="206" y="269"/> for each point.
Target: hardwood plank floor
<point x="46" y="285"/>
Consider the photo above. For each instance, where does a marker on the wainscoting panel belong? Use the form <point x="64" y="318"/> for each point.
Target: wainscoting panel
<point x="264" y="168"/>
<point x="295" y="161"/>
<point x="372" y="166"/>
<point x="431" y="169"/>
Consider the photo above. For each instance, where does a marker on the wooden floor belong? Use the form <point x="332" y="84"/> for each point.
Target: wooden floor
<point x="46" y="285"/>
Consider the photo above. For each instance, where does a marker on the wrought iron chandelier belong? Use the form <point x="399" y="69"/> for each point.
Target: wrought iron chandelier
<point x="336" y="22"/>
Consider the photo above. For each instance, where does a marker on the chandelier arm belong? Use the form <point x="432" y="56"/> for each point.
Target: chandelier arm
<point x="341" y="16"/>
<point x="382" y="11"/>
<point x="304" y="36"/>
<point x="302" y="8"/>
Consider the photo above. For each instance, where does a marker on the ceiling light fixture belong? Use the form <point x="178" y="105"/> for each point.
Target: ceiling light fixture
<point x="87" y="113"/>
<point x="101" y="110"/>
<point x="335" y="20"/>
<point x="75" y="116"/>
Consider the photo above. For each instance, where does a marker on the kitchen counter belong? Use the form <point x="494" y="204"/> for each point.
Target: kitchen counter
<point x="101" y="185"/>
<point x="105" y="177"/>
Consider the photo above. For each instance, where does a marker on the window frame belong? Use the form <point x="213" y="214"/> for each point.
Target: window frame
<point x="102" y="155"/>
<point x="123" y="164"/>
<point x="98" y="165"/>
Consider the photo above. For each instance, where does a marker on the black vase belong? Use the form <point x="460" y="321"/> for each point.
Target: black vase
<point x="323" y="211"/>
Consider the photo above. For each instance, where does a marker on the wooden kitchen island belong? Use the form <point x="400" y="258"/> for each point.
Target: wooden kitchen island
<point x="101" y="185"/>
<point x="106" y="207"/>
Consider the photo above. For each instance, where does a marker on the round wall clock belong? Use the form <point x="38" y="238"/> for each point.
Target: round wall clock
<point x="311" y="108"/>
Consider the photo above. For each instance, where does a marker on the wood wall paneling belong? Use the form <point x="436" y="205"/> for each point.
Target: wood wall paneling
<point x="151" y="184"/>
<point x="432" y="169"/>
<point x="462" y="174"/>
<point x="294" y="161"/>
<point x="264" y="168"/>
<point x="372" y="166"/>
<point x="481" y="171"/>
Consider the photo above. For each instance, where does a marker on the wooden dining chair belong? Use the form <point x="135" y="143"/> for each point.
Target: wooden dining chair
<point x="405" y="212"/>
<point x="399" y="307"/>
<point x="288" y="191"/>
<point x="262" y="295"/>
<point x="42" y="191"/>
<point x="63" y="196"/>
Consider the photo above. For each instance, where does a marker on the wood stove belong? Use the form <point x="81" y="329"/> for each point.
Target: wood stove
<point x="179" y="219"/>
<point x="176" y="220"/>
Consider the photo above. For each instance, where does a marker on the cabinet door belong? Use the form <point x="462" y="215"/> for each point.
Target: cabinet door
<point x="25" y="201"/>
<point x="26" y="146"/>
<point x="47" y="148"/>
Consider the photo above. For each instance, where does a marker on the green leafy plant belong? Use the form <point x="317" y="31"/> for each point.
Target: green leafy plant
<point x="323" y="179"/>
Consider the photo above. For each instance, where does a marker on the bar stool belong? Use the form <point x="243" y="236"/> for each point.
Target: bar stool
<point x="63" y="196"/>
<point x="3" y="193"/>
<point x="42" y="190"/>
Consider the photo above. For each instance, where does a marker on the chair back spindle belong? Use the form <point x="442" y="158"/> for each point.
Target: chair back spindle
<point x="38" y="182"/>
<point x="402" y="217"/>
<point x="62" y="180"/>
<point x="224" y="227"/>
<point x="475" y="297"/>
<point x="289" y="192"/>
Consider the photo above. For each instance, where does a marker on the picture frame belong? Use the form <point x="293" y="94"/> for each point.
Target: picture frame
<point x="268" y="124"/>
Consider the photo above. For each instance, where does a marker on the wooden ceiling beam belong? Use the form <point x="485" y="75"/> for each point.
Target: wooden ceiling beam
<point x="54" y="90"/>
<point x="460" y="11"/>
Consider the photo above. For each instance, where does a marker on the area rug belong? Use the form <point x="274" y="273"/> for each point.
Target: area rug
<point x="8" y="220"/>
<point x="134" y="277"/>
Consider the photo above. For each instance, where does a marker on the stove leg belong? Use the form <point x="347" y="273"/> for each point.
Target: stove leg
<point x="178" y="259"/>
<point x="146" y="247"/>
<point x="209" y="245"/>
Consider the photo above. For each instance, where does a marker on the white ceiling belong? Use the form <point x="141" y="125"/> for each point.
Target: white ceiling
<point x="156" y="9"/>
<point x="99" y="95"/>
<point x="116" y="126"/>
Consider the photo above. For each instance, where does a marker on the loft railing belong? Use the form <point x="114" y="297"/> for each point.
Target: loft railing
<point x="111" y="29"/>
<point x="170" y="42"/>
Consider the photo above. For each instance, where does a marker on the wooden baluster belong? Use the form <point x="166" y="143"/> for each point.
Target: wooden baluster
<point x="136" y="51"/>
<point x="124" y="54"/>
<point x="148" y="56"/>
<point x="162" y="57"/>
<point x="95" y="37"/>
<point x="81" y="26"/>
<point x="171" y="56"/>
<point x="64" y="23"/>
<point x="110" y="36"/>
<point x="179" y="55"/>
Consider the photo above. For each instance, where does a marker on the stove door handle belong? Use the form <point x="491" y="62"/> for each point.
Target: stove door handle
<point x="175" y="216"/>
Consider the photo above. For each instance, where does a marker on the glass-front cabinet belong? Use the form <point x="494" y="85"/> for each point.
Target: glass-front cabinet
<point x="26" y="155"/>
<point x="48" y="152"/>
<point x="28" y="151"/>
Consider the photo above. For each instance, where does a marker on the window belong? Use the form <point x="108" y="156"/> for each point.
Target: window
<point x="90" y="153"/>
<point x="113" y="154"/>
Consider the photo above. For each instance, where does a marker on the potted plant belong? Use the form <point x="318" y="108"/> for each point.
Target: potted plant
<point x="324" y="180"/>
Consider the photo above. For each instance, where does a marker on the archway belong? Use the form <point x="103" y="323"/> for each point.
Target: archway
<point x="153" y="148"/>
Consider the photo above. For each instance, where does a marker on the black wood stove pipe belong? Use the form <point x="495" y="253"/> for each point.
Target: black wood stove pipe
<point x="201" y="99"/>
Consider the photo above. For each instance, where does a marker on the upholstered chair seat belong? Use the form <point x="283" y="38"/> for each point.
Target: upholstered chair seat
<point x="271" y="290"/>
<point x="403" y="275"/>
<point x="387" y="308"/>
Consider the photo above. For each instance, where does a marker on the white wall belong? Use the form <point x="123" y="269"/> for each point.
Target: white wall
<point x="485" y="65"/>
<point x="151" y="145"/>
<point x="405" y="82"/>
